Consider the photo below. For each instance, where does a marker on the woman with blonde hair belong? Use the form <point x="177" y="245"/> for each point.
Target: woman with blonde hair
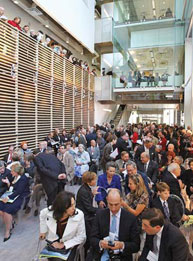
<point x="11" y="201"/>
<point x="138" y="199"/>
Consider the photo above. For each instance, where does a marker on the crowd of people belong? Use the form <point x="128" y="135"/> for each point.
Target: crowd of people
<point x="139" y="176"/>
<point x="39" y="36"/>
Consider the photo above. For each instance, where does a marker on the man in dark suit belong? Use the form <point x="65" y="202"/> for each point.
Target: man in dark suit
<point x="147" y="166"/>
<point x="171" y="178"/>
<point x="52" y="173"/>
<point x="166" y="204"/>
<point x="114" y="231"/>
<point x="82" y="138"/>
<point x="8" y="157"/>
<point x="164" y="241"/>
<point x="122" y="144"/>
<point x="146" y="147"/>
<point x="122" y="163"/>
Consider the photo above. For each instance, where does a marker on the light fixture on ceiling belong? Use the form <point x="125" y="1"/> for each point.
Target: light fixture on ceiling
<point x="117" y="67"/>
<point x="151" y="53"/>
<point x="131" y="52"/>
<point x="164" y="2"/>
<point x="105" y="11"/>
<point x="16" y="2"/>
<point x="107" y="63"/>
<point x="135" y="60"/>
<point x="153" y="4"/>
<point x="107" y="110"/>
<point x="139" y="66"/>
<point x="47" y="25"/>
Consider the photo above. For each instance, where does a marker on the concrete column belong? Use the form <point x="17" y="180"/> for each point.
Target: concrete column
<point x="188" y="90"/>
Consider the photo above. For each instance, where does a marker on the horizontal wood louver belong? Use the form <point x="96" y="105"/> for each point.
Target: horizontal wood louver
<point x="26" y="90"/>
<point x="40" y="91"/>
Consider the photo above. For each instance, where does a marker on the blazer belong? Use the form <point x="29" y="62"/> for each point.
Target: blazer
<point x="172" y="183"/>
<point x="141" y="149"/>
<point x="84" y="201"/>
<point x="173" y="245"/>
<point x="108" y="149"/>
<point x="103" y="183"/>
<point x="74" y="233"/>
<point x="119" y="165"/>
<point x="95" y="154"/>
<point x="49" y="167"/>
<point x="121" y="145"/>
<point x="128" y="233"/>
<point x="82" y="140"/>
<point x="174" y="213"/>
<point x="68" y="161"/>
<point x="152" y="170"/>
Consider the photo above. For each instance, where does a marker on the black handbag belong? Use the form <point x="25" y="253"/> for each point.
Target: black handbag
<point x="62" y="251"/>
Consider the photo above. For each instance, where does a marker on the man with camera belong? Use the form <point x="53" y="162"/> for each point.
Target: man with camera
<point x="114" y="234"/>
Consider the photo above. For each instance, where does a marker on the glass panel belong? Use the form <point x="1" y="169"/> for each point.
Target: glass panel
<point x="147" y="53"/>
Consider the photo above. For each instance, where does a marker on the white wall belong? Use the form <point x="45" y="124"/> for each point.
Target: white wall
<point x="75" y="16"/>
<point x="12" y="10"/>
<point x="104" y="116"/>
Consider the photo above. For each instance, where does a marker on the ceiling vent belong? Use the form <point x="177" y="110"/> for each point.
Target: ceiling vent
<point x="34" y="11"/>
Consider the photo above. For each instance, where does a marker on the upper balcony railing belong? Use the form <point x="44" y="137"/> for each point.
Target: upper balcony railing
<point x="104" y="31"/>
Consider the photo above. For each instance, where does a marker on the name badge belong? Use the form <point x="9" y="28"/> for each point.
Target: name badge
<point x="152" y="257"/>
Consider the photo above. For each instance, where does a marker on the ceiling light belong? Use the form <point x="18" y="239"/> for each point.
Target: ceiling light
<point x="16" y="2"/>
<point x="151" y="52"/>
<point x="107" y="110"/>
<point x="47" y="25"/>
<point x="139" y="66"/>
<point x="117" y="67"/>
<point x="153" y="4"/>
<point x="105" y="11"/>
<point x="164" y="2"/>
<point x="105" y="61"/>
<point x="135" y="60"/>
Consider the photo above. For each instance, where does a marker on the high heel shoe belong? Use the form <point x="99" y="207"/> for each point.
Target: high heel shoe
<point x="7" y="238"/>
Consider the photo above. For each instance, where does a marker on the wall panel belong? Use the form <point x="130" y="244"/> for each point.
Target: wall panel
<point x="40" y="91"/>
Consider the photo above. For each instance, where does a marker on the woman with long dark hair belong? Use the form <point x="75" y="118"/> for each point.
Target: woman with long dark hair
<point x="62" y="224"/>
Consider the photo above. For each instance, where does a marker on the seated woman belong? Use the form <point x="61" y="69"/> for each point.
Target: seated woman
<point x="18" y="190"/>
<point x="63" y="224"/>
<point x="84" y="201"/>
<point x="188" y="179"/>
<point x="106" y="181"/>
<point x="138" y="199"/>
<point x="82" y="159"/>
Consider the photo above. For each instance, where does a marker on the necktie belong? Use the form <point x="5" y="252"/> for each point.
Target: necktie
<point x="124" y="165"/>
<point x="155" y="247"/>
<point x="145" y="167"/>
<point x="113" y="224"/>
<point x="166" y="211"/>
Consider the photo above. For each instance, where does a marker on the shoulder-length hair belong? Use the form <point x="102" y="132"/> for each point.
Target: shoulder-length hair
<point x="140" y="186"/>
<point x="62" y="202"/>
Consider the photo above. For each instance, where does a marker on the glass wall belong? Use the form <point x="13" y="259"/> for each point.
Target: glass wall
<point x="148" y="43"/>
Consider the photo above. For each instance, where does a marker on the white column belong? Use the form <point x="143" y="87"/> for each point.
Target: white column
<point x="188" y="93"/>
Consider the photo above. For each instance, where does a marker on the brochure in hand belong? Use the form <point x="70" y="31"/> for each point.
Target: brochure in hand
<point x="45" y="253"/>
<point x="7" y="194"/>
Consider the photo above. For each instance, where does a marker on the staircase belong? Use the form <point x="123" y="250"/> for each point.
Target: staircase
<point x="118" y="115"/>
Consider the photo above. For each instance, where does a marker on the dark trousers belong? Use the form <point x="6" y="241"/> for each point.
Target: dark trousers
<point x="51" y="196"/>
<point x="70" y="258"/>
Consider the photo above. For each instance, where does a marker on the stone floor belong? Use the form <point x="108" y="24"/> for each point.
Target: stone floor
<point x="23" y="244"/>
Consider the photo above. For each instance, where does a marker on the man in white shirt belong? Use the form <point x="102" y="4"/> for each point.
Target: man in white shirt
<point x="164" y="241"/>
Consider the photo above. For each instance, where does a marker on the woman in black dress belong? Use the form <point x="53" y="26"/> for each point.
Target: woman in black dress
<point x="12" y="201"/>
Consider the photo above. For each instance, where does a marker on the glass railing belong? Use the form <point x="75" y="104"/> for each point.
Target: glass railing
<point x="104" y="30"/>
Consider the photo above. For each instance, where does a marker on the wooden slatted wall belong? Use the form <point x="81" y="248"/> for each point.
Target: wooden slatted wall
<point x="40" y="91"/>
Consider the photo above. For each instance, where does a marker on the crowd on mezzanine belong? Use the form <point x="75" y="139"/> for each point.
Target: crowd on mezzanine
<point x="134" y="179"/>
<point x="40" y="37"/>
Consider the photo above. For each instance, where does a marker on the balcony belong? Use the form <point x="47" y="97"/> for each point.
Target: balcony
<point x="104" y="35"/>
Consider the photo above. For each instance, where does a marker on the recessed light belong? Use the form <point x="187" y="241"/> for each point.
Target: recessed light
<point x="67" y="42"/>
<point x="16" y="2"/>
<point x="47" y="25"/>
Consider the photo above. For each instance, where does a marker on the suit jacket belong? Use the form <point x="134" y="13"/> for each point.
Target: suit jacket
<point x="84" y="201"/>
<point x="174" y="213"/>
<point x="49" y="167"/>
<point x="172" y="183"/>
<point x="121" y="145"/>
<point x="119" y="165"/>
<point x="95" y="154"/>
<point x="68" y="161"/>
<point x="108" y="149"/>
<point x="173" y="246"/>
<point x="152" y="170"/>
<point x="128" y="233"/>
<point x="82" y="140"/>
<point x="141" y="149"/>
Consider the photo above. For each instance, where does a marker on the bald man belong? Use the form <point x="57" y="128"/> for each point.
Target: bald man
<point x="114" y="231"/>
